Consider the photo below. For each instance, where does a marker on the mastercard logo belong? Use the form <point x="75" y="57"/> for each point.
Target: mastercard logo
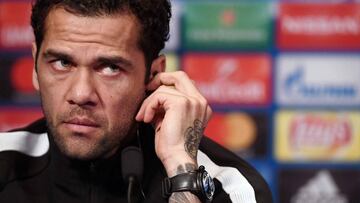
<point x="235" y="131"/>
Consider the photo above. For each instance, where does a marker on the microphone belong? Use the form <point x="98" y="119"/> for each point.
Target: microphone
<point x="132" y="171"/>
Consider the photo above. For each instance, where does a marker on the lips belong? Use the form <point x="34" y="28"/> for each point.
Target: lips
<point x="81" y="125"/>
<point x="82" y="121"/>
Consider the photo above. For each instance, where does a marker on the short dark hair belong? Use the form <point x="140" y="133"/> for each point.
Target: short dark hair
<point x="153" y="16"/>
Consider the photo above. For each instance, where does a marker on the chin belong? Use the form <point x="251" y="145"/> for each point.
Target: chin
<point x="78" y="153"/>
<point x="81" y="149"/>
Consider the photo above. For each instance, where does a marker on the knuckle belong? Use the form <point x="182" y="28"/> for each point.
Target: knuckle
<point x="209" y="111"/>
<point x="181" y="74"/>
<point x="157" y="94"/>
<point x="199" y="105"/>
<point x="204" y="102"/>
<point x="162" y="88"/>
<point x="185" y="102"/>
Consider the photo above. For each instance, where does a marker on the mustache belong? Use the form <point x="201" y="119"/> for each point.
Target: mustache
<point x="76" y="112"/>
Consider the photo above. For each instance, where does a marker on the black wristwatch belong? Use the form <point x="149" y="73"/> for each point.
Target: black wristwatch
<point x="197" y="182"/>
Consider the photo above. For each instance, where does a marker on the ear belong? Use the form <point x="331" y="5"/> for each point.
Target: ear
<point x="35" y="80"/>
<point x="158" y="66"/>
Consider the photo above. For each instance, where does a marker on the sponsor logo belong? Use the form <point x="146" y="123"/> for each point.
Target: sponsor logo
<point x="295" y="84"/>
<point x="228" y="80"/>
<point x="14" y="36"/>
<point x="229" y="91"/>
<point x="321" y="188"/>
<point x="318" y="80"/>
<point x="16" y="80"/>
<point x="21" y="75"/>
<point x="321" y="25"/>
<point x="318" y="26"/>
<point x="313" y="185"/>
<point x="244" y="134"/>
<point x="221" y="35"/>
<point x="223" y="25"/>
<point x="228" y="17"/>
<point x="15" y="31"/>
<point x="310" y="131"/>
<point x="240" y="130"/>
<point x="309" y="136"/>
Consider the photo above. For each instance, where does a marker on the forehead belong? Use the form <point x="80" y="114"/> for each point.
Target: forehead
<point x="117" y="30"/>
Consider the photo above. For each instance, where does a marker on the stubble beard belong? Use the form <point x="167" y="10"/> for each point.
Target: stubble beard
<point x="74" y="146"/>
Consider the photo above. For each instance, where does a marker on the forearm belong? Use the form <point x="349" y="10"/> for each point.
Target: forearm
<point x="183" y="197"/>
<point x="185" y="162"/>
<point x="179" y="114"/>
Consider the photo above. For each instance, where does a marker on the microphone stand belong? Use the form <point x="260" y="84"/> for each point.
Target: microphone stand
<point x="132" y="170"/>
<point x="135" y="193"/>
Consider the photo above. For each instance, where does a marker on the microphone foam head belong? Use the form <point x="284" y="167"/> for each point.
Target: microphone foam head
<point x="132" y="163"/>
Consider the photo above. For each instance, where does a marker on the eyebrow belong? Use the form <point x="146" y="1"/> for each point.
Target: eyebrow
<point x="50" y="53"/>
<point x="56" y="54"/>
<point x="113" y="60"/>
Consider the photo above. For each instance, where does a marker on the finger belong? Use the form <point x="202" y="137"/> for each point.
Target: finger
<point x="158" y="102"/>
<point x="178" y="79"/>
<point x="208" y="114"/>
<point x="166" y="90"/>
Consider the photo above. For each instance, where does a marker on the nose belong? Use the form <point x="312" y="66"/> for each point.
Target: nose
<point x="82" y="91"/>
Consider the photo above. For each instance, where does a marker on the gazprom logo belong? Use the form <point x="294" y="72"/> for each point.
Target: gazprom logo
<point x="295" y="85"/>
<point x="315" y="79"/>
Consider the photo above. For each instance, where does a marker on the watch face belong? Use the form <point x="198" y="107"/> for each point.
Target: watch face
<point x="208" y="185"/>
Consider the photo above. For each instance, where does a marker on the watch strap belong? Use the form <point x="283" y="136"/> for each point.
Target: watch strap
<point x="180" y="183"/>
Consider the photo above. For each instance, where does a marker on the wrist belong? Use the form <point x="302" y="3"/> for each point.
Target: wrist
<point x="178" y="164"/>
<point x="198" y="182"/>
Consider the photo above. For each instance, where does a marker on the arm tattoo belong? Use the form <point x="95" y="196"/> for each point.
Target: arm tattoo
<point x="192" y="138"/>
<point x="188" y="167"/>
<point x="184" y="197"/>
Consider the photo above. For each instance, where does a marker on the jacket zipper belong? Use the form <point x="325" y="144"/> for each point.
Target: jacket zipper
<point x="91" y="183"/>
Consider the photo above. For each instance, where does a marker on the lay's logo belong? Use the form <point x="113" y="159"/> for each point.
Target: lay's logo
<point x="316" y="132"/>
<point x="319" y="135"/>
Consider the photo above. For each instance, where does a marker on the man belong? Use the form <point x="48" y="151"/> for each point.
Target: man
<point x="103" y="88"/>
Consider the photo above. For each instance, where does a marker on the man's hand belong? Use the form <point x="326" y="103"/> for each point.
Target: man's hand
<point x="179" y="114"/>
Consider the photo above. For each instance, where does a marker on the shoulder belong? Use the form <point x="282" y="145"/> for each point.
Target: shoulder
<point x="239" y="180"/>
<point x="31" y="140"/>
<point x="23" y="152"/>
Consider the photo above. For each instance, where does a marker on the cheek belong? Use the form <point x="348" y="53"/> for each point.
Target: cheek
<point x="51" y="96"/>
<point x="47" y="103"/>
<point x="124" y="106"/>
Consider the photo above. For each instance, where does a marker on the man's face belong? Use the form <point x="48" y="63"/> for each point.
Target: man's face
<point x="91" y="80"/>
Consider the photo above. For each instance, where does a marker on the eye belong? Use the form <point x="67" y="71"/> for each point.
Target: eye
<point x="61" y="64"/>
<point x="110" y="69"/>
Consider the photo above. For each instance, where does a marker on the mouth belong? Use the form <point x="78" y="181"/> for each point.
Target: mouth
<point x="81" y="125"/>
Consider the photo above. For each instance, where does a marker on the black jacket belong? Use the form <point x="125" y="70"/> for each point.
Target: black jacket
<point x="32" y="169"/>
